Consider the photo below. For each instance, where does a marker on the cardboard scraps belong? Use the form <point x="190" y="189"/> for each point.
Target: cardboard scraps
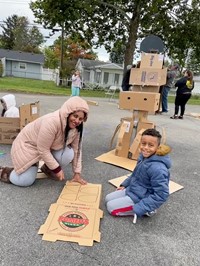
<point x="92" y="103"/>
<point x="173" y="187"/>
<point x="75" y="217"/>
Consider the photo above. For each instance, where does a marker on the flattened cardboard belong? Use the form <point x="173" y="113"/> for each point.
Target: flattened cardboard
<point x="148" y="76"/>
<point x="75" y="217"/>
<point x="72" y="223"/>
<point x="111" y="158"/>
<point x="145" y="101"/>
<point x="92" y="102"/>
<point x="150" y="60"/>
<point x="173" y="187"/>
<point x="87" y="195"/>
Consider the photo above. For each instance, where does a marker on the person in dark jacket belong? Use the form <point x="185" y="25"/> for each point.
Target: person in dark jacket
<point x="126" y="78"/>
<point x="147" y="188"/>
<point x="184" y="87"/>
<point x="171" y="75"/>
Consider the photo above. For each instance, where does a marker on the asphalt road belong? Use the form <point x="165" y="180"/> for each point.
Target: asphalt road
<point x="169" y="238"/>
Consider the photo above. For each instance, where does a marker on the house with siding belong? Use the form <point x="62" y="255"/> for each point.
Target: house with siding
<point x="100" y="73"/>
<point x="22" y="64"/>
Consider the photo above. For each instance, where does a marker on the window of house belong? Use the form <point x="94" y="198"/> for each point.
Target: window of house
<point x="22" y="66"/>
<point x="105" y="77"/>
<point x="116" y="81"/>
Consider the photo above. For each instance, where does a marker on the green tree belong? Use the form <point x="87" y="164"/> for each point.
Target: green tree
<point x="51" y="60"/>
<point x="193" y="62"/>
<point x="117" y="53"/>
<point x="17" y="35"/>
<point x="107" y="22"/>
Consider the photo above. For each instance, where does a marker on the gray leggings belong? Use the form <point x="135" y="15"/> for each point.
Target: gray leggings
<point x="119" y="204"/>
<point x="27" y="178"/>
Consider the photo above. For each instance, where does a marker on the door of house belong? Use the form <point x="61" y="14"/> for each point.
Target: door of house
<point x="105" y="78"/>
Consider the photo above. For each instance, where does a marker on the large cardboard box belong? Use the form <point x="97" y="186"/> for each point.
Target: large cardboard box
<point x="150" y="60"/>
<point x="146" y="88"/>
<point x="148" y="76"/>
<point x="10" y="127"/>
<point x="145" y="101"/>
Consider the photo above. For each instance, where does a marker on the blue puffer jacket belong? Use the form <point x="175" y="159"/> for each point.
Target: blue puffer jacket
<point x="148" y="185"/>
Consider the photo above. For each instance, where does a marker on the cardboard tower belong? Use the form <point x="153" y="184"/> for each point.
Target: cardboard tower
<point x="144" y="98"/>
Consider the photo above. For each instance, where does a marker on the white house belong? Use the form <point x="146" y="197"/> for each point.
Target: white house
<point x="100" y="73"/>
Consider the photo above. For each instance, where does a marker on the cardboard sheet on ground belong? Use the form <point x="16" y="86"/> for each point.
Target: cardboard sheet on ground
<point x="173" y="187"/>
<point x="75" y="217"/>
<point x="89" y="195"/>
<point x="111" y="158"/>
<point x="72" y="223"/>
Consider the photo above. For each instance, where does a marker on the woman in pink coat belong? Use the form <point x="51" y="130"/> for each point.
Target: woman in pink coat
<point x="56" y="139"/>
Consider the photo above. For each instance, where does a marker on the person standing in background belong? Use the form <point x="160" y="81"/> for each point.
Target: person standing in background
<point x="8" y="102"/>
<point x="76" y="83"/>
<point x="125" y="81"/>
<point x="184" y="85"/>
<point x="171" y="75"/>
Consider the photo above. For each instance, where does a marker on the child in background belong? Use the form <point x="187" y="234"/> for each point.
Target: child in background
<point x="9" y="106"/>
<point x="76" y="84"/>
<point x="147" y="188"/>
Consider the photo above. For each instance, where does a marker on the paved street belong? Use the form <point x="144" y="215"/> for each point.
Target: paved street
<point x="170" y="238"/>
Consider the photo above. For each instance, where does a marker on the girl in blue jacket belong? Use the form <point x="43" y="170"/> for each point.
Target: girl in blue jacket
<point x="147" y="188"/>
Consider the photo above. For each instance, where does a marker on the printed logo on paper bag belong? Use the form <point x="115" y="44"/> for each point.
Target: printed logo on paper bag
<point x="73" y="221"/>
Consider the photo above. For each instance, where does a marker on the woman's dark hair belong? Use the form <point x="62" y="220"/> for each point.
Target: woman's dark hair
<point x="152" y="132"/>
<point x="189" y="75"/>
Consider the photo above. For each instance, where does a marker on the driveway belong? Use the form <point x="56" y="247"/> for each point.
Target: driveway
<point x="169" y="238"/>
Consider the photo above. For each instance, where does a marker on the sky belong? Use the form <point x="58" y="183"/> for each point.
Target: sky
<point x="21" y="8"/>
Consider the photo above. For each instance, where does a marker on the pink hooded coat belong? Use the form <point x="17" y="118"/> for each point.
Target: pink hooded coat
<point x="38" y="138"/>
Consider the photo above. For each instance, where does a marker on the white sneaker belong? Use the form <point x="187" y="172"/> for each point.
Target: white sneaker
<point x="150" y="214"/>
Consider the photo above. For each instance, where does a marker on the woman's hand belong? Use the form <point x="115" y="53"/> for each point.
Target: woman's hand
<point x="77" y="178"/>
<point x="60" y="175"/>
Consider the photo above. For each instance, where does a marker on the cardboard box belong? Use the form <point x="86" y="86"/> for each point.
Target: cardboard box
<point x="146" y="88"/>
<point x="28" y="113"/>
<point x="148" y="76"/>
<point x="10" y="127"/>
<point x="124" y="137"/>
<point x="145" y="101"/>
<point x="134" y="149"/>
<point x="150" y="60"/>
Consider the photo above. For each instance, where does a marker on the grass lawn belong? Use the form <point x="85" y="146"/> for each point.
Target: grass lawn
<point x="11" y="84"/>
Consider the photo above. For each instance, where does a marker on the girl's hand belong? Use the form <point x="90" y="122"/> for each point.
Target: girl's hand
<point x="77" y="178"/>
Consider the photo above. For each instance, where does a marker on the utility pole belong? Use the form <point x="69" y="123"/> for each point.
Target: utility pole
<point x="62" y="52"/>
